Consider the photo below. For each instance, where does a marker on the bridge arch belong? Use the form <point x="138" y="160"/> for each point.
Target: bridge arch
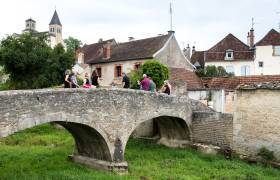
<point x="172" y="131"/>
<point x="89" y="142"/>
<point x="108" y="115"/>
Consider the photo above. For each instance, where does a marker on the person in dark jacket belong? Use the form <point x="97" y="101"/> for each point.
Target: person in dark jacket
<point x="125" y="81"/>
<point x="95" y="79"/>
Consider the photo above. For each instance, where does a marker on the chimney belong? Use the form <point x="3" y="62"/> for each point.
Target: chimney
<point x="130" y="38"/>
<point x="107" y="50"/>
<point x="187" y="52"/>
<point x="193" y="49"/>
<point x="171" y="32"/>
<point x="251" y="38"/>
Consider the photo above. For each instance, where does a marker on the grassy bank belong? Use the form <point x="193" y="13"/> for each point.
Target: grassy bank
<point x="41" y="153"/>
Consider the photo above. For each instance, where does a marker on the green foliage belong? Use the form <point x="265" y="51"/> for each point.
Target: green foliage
<point x="154" y="69"/>
<point x="72" y="44"/>
<point x="134" y="76"/>
<point x="266" y="154"/>
<point x="31" y="63"/>
<point x="80" y="81"/>
<point x="213" y="71"/>
<point x="41" y="153"/>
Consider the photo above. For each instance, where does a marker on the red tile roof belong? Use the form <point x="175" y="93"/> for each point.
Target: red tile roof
<point x="230" y="83"/>
<point x="132" y="50"/>
<point x="198" y="56"/>
<point x="271" y="38"/>
<point x="241" y="52"/>
<point x="192" y="80"/>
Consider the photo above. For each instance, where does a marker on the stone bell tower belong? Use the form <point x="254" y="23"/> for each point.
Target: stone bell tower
<point x="55" y="30"/>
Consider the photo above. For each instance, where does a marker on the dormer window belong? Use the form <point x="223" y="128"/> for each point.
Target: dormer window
<point x="276" y="50"/>
<point x="229" y="54"/>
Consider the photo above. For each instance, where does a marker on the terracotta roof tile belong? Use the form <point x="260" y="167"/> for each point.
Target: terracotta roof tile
<point x="192" y="80"/>
<point x="198" y="56"/>
<point x="241" y="51"/>
<point x="138" y="49"/>
<point x="271" y="38"/>
<point x="230" y="83"/>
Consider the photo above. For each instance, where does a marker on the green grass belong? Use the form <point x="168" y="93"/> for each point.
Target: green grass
<point x="41" y="153"/>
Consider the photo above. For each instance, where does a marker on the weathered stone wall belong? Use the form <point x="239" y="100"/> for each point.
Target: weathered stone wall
<point x="105" y="114"/>
<point x="257" y="121"/>
<point x="212" y="128"/>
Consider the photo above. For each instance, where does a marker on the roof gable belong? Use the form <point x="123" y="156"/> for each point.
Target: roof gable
<point x="229" y="42"/>
<point x="55" y="19"/>
<point x="271" y="38"/>
<point x="132" y="50"/>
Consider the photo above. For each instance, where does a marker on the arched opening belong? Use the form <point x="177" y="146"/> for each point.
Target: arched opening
<point x="166" y="130"/>
<point x="172" y="131"/>
<point x="89" y="142"/>
<point x="163" y="126"/>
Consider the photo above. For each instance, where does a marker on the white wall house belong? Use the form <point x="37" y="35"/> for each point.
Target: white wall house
<point x="267" y="61"/>
<point x="110" y="59"/>
<point x="231" y="53"/>
<point x="262" y="58"/>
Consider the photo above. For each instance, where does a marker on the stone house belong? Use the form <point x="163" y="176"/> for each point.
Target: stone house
<point x="220" y="90"/>
<point x="267" y="61"/>
<point x="110" y="58"/>
<point x="231" y="53"/>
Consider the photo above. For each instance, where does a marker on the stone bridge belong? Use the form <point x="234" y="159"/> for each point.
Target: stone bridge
<point x="100" y="120"/>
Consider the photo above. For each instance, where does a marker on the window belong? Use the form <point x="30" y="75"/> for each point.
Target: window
<point x="260" y="64"/>
<point x="137" y="66"/>
<point x="229" y="54"/>
<point x="99" y="72"/>
<point x="27" y="25"/>
<point x="245" y="70"/>
<point x="229" y="69"/>
<point x="276" y="50"/>
<point x="118" y="70"/>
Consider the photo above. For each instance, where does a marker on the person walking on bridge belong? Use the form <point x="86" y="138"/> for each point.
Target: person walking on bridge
<point x="145" y="83"/>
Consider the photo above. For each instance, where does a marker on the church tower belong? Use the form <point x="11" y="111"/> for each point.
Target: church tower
<point x="55" y="30"/>
<point x="30" y="25"/>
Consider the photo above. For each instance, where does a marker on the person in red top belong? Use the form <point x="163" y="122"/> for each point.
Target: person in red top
<point x="145" y="83"/>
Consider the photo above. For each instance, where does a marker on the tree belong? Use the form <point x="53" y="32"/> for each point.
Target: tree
<point x="31" y="63"/>
<point x="72" y="44"/>
<point x="154" y="69"/>
<point x="213" y="71"/>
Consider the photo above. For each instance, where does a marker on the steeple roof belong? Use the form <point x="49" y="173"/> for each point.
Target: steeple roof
<point x="55" y="19"/>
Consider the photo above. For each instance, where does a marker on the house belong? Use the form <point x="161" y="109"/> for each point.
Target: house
<point x="267" y="60"/>
<point x="110" y="58"/>
<point x="231" y="53"/>
<point x="54" y="34"/>
<point x="220" y="90"/>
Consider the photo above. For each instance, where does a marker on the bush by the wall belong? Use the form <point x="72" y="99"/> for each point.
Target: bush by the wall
<point x="266" y="154"/>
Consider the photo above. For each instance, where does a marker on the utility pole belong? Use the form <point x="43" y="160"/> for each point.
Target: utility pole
<point x="171" y="18"/>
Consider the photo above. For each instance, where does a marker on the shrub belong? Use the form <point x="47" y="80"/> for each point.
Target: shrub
<point x="157" y="71"/>
<point x="154" y="69"/>
<point x="213" y="71"/>
<point x="266" y="154"/>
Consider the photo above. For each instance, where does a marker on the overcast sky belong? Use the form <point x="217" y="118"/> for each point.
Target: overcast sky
<point x="199" y="22"/>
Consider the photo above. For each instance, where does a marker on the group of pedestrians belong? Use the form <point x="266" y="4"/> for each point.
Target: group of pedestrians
<point x="147" y="84"/>
<point x="70" y="80"/>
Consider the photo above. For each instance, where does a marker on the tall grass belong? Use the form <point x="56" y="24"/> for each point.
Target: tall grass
<point x="41" y="153"/>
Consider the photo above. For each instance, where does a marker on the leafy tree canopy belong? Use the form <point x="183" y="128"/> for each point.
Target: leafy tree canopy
<point x="213" y="71"/>
<point x="72" y="44"/>
<point x="154" y="69"/>
<point x="31" y="63"/>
